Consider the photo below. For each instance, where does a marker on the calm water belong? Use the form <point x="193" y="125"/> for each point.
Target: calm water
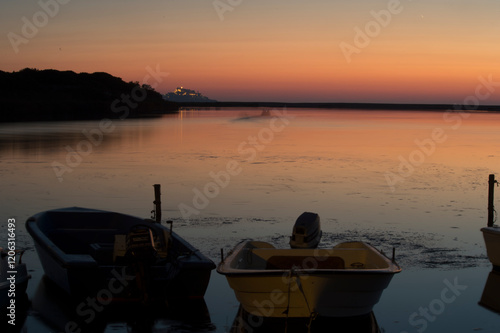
<point x="416" y="181"/>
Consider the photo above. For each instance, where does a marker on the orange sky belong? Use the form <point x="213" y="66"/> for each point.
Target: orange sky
<point x="425" y="51"/>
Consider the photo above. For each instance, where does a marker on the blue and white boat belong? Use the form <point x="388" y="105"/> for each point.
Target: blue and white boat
<point x="113" y="255"/>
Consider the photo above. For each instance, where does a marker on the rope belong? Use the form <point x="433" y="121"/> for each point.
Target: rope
<point x="299" y="284"/>
<point x="312" y="314"/>
<point x="312" y="317"/>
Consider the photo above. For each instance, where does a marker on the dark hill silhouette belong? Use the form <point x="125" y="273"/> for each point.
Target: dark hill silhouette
<point x="32" y="95"/>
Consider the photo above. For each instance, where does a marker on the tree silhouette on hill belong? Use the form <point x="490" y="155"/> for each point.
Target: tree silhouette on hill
<point x="31" y="95"/>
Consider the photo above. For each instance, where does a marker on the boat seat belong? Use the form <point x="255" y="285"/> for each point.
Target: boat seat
<point x="77" y="241"/>
<point x="305" y="262"/>
<point x="102" y="252"/>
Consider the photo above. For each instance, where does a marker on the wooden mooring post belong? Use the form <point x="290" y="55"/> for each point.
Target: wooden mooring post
<point x="491" y="193"/>
<point x="157" y="203"/>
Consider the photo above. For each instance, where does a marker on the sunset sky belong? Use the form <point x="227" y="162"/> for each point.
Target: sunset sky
<point x="419" y="51"/>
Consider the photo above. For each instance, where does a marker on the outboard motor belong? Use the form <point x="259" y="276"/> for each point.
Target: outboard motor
<point x="306" y="231"/>
<point x="140" y="244"/>
<point x="141" y="254"/>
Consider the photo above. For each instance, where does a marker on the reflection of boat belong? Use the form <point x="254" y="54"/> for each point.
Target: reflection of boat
<point x="347" y="280"/>
<point x="491" y="233"/>
<point x="14" y="277"/>
<point x="58" y="310"/>
<point x="490" y="298"/>
<point x="245" y="322"/>
<point x="306" y="231"/>
<point x="264" y="114"/>
<point x="121" y="256"/>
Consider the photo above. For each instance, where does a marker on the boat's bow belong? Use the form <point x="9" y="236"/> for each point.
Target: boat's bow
<point x="491" y="237"/>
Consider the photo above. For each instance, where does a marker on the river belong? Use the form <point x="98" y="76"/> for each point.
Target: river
<point x="415" y="181"/>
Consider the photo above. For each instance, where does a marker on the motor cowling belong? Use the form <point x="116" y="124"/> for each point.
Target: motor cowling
<point x="140" y="245"/>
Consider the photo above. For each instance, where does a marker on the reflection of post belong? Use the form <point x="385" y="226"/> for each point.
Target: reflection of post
<point x="491" y="208"/>
<point x="157" y="203"/>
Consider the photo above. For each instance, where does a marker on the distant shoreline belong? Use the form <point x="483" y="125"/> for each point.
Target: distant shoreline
<point x="363" y="106"/>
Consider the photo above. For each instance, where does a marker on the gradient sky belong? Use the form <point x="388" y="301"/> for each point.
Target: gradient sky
<point x="430" y="51"/>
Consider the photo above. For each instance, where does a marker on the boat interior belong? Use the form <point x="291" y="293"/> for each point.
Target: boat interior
<point x="354" y="255"/>
<point x="105" y="236"/>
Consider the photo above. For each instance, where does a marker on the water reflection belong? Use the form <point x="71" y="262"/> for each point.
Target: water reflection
<point x="265" y="113"/>
<point x="245" y="322"/>
<point x="490" y="299"/>
<point x="332" y="162"/>
<point x="59" y="311"/>
<point x="47" y="138"/>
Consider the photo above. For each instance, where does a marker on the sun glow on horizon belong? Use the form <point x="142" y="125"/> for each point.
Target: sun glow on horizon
<point x="423" y="53"/>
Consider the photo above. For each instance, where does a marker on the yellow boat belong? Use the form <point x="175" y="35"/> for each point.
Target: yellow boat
<point x="347" y="280"/>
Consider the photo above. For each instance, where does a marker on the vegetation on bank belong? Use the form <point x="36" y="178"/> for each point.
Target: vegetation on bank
<point x="33" y="95"/>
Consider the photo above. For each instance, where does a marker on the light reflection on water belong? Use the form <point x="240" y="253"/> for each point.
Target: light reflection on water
<point x="332" y="162"/>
